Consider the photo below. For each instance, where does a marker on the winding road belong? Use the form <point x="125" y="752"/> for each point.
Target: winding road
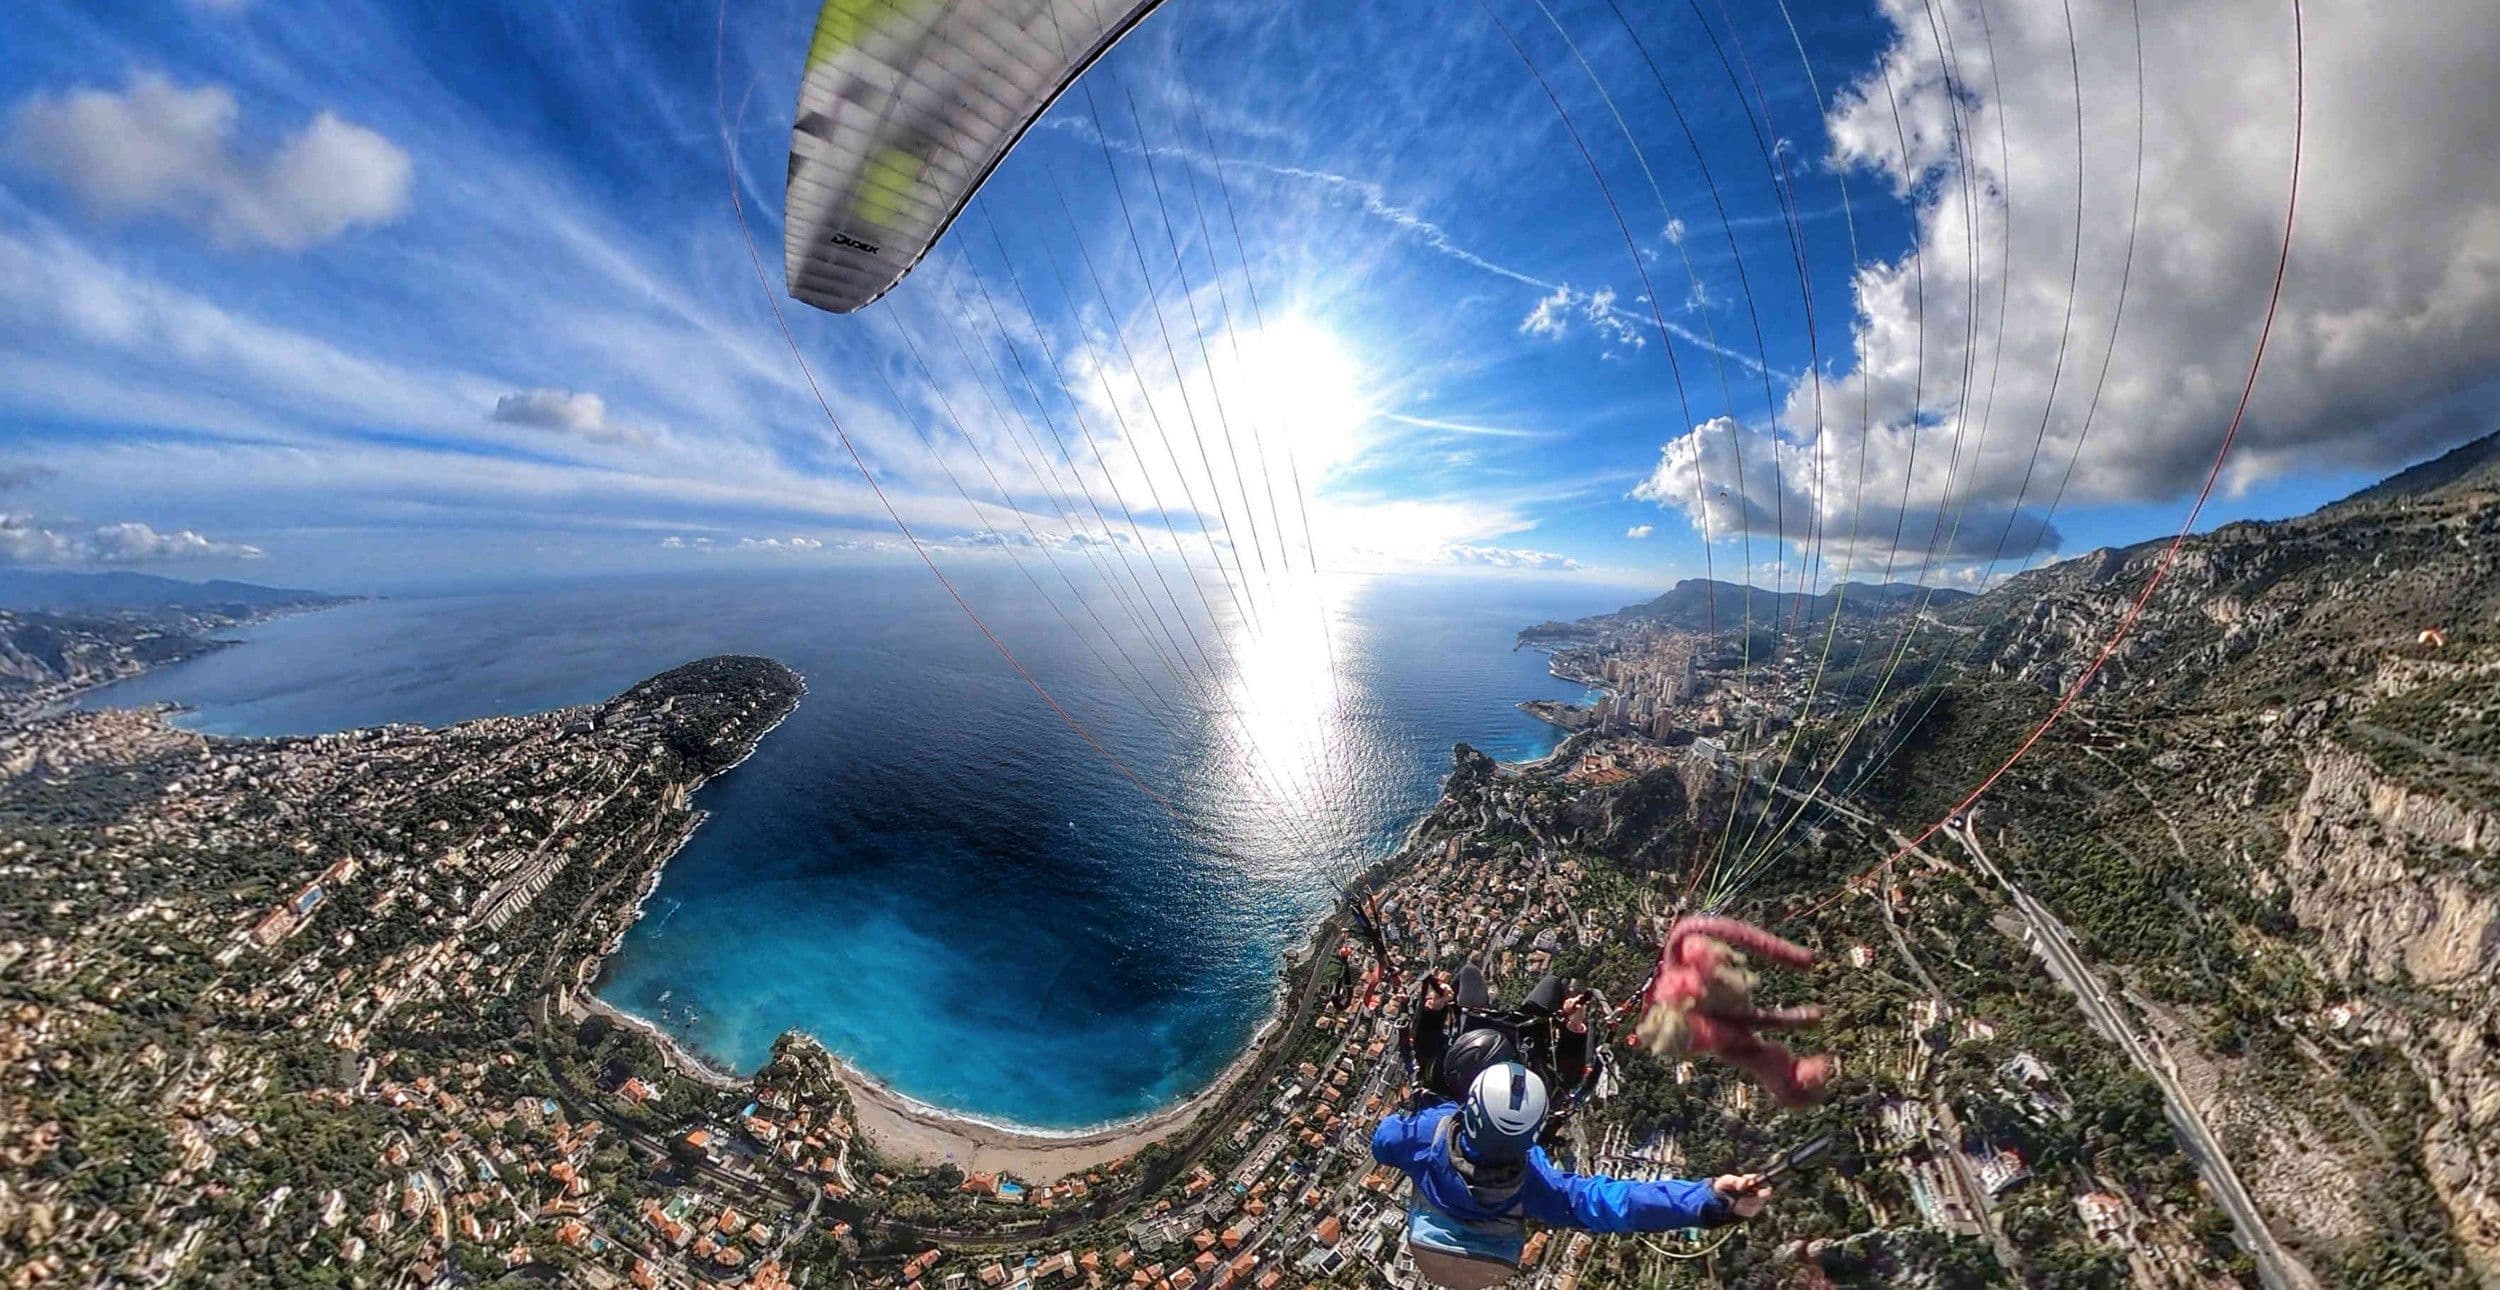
<point x="2276" y="1267"/>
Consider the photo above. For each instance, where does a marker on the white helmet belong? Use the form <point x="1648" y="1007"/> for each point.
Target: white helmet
<point x="1505" y="1108"/>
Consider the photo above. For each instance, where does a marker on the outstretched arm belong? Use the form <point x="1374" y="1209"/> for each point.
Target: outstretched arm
<point x="1611" y="1206"/>
<point x="1399" y="1140"/>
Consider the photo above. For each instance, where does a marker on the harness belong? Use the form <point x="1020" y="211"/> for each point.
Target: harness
<point x="1495" y="1186"/>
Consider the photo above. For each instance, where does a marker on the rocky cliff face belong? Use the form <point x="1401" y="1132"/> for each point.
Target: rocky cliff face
<point x="2363" y="866"/>
<point x="44" y="654"/>
<point x="2371" y="868"/>
<point x="2298" y="750"/>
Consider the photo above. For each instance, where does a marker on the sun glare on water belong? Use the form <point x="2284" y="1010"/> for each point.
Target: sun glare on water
<point x="1284" y="740"/>
<point x="1297" y="391"/>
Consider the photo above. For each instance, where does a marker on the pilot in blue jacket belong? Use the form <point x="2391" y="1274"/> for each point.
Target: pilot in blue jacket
<point x="1479" y="1178"/>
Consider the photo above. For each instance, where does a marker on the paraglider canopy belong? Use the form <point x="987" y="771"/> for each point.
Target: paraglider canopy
<point x="905" y="107"/>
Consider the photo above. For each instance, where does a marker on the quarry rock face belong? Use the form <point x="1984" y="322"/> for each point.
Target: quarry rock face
<point x="2356" y="871"/>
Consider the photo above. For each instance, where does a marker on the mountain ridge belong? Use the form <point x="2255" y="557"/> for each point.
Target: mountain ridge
<point x="2457" y="466"/>
<point x="1706" y="604"/>
<point x="124" y="590"/>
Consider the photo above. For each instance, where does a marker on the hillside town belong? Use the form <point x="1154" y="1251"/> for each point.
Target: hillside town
<point x="269" y="996"/>
<point x="397" y="1074"/>
<point x="321" y="1010"/>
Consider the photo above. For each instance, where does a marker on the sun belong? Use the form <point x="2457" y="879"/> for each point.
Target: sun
<point x="1303" y="385"/>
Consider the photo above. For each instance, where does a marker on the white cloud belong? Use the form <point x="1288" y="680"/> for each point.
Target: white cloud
<point x="788" y="544"/>
<point x="1554" y="313"/>
<point x="24" y="540"/>
<point x="2382" y="350"/>
<point x="1640" y="531"/>
<point x="1732" y="479"/>
<point x="1502" y="557"/>
<point x="135" y="543"/>
<point x="158" y="148"/>
<point x="575" y="412"/>
<point x="1551" y="317"/>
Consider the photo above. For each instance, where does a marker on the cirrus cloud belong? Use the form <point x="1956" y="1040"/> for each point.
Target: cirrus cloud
<point x="1557" y="311"/>
<point x="794" y="544"/>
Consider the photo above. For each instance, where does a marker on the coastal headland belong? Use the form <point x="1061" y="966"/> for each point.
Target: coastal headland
<point x="385" y="936"/>
<point x="293" y="1010"/>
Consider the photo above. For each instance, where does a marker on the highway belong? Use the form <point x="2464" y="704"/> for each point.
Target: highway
<point x="2056" y="946"/>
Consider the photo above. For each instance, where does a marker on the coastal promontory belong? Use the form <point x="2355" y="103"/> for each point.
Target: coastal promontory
<point x="278" y="1007"/>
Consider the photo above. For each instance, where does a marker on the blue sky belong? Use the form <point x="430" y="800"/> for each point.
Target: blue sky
<point x="356" y="293"/>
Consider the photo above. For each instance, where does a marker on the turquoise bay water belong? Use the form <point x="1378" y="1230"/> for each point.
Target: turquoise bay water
<point x="924" y="867"/>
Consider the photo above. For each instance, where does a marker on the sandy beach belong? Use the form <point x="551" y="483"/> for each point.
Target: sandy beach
<point x="907" y="1130"/>
<point x="904" y="1130"/>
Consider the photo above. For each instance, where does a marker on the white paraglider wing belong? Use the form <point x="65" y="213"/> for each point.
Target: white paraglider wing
<point x="905" y="108"/>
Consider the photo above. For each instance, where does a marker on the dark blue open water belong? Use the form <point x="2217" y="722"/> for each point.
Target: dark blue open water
<point x="923" y="866"/>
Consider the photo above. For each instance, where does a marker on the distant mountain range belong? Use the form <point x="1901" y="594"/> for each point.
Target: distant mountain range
<point x="145" y="593"/>
<point x="1701" y="604"/>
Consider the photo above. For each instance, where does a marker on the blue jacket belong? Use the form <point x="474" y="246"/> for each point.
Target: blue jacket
<point x="1409" y="1141"/>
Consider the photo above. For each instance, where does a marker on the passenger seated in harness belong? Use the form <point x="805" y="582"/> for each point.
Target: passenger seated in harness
<point x="1479" y="1179"/>
<point x="1455" y="1032"/>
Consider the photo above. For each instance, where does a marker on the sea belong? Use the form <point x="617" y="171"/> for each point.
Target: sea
<point x="1053" y="918"/>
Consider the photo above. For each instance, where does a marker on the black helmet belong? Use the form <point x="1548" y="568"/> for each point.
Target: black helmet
<point x="1472" y="1054"/>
